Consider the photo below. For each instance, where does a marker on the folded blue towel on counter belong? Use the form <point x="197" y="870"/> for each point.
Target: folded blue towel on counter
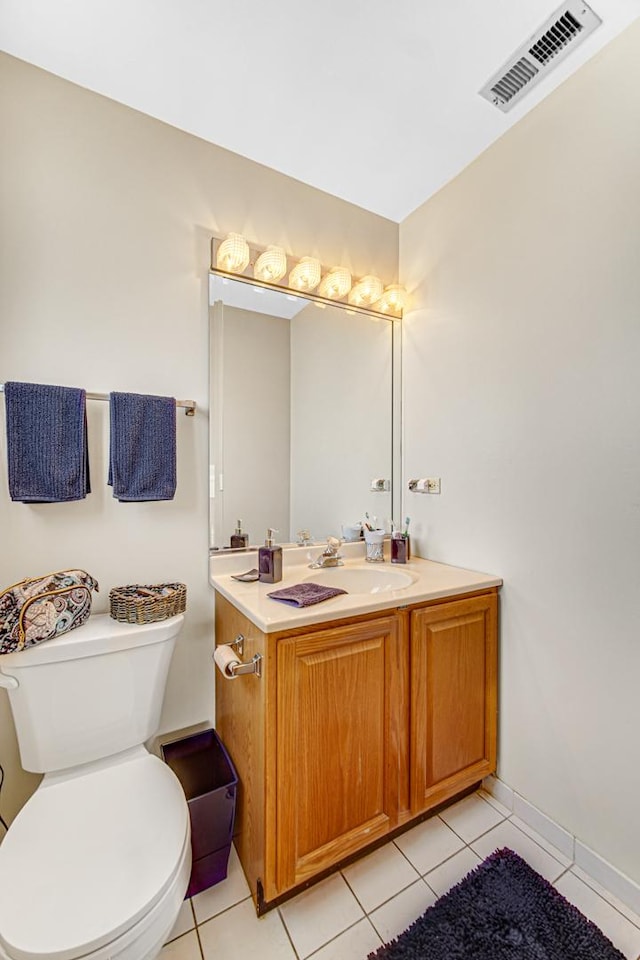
<point x="142" y="447"/>
<point x="304" y="594"/>
<point x="47" y="452"/>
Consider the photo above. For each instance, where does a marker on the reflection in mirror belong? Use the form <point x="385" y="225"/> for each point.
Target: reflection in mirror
<point x="301" y="415"/>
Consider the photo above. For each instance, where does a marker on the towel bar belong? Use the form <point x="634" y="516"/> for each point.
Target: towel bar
<point x="190" y="405"/>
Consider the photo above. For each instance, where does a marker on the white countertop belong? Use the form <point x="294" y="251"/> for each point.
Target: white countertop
<point x="429" y="581"/>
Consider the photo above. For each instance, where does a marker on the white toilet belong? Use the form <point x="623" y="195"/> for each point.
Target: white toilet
<point x="96" y="864"/>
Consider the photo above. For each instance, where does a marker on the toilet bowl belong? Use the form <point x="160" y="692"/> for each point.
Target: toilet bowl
<point x="97" y="863"/>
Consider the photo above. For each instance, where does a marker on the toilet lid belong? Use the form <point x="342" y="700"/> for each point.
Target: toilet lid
<point x="88" y="856"/>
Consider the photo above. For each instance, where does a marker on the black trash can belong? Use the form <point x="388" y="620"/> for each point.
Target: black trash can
<point x="210" y="782"/>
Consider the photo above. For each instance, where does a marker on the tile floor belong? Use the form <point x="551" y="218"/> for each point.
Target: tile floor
<point x="348" y="915"/>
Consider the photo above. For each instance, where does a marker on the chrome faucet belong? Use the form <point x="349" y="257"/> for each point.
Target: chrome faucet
<point x="329" y="556"/>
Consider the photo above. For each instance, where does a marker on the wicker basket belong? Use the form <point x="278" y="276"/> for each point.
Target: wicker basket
<point x="145" y="603"/>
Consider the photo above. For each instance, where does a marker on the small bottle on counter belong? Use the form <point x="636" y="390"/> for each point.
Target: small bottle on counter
<point x="239" y="539"/>
<point x="270" y="560"/>
<point x="400" y="547"/>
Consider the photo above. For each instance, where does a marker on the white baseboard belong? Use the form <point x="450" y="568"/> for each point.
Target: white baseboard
<point x="608" y="876"/>
<point x="500" y="791"/>
<point x="545" y="826"/>
<point x="603" y="872"/>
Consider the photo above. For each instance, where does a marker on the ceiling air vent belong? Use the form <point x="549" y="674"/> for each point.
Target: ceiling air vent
<point x="559" y="35"/>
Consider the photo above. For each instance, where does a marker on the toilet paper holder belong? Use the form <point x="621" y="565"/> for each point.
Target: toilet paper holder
<point x="237" y="668"/>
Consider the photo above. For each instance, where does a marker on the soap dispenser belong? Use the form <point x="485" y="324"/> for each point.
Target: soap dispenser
<point x="239" y="539"/>
<point x="270" y="560"/>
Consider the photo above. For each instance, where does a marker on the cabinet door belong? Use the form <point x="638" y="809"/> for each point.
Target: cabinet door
<point x="336" y="731"/>
<point x="453" y="697"/>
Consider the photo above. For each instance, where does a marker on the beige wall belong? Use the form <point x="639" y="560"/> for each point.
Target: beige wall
<point x="341" y="390"/>
<point x="254" y="423"/>
<point x="523" y="393"/>
<point x="105" y="223"/>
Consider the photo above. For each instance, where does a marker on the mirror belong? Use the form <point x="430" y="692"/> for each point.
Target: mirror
<point x="304" y="409"/>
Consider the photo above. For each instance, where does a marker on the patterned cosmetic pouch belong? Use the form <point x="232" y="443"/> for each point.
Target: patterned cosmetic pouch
<point x="40" y="608"/>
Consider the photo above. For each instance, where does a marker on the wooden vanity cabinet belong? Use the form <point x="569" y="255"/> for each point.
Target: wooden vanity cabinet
<point x="355" y="728"/>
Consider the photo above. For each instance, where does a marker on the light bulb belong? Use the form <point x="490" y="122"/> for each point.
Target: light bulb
<point x="233" y="254"/>
<point x="335" y="284"/>
<point x="271" y="265"/>
<point x="366" y="291"/>
<point x="393" y="300"/>
<point x="306" y="274"/>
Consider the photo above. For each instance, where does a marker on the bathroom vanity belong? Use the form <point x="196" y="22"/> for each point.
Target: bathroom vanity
<point x="372" y="708"/>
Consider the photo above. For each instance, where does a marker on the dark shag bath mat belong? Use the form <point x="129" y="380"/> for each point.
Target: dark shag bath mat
<point x="503" y="910"/>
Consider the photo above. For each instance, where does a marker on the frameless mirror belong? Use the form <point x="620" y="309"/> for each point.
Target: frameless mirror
<point x="304" y="415"/>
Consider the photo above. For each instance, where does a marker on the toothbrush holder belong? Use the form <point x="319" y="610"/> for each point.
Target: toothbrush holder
<point x="374" y="540"/>
<point x="400" y="548"/>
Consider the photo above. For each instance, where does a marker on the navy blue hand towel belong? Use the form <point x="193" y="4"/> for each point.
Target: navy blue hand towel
<point x="142" y="461"/>
<point x="47" y="452"/>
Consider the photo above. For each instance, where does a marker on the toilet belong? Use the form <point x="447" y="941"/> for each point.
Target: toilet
<point x="97" y="863"/>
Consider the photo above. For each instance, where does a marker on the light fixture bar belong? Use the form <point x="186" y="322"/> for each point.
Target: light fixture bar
<point x="246" y="276"/>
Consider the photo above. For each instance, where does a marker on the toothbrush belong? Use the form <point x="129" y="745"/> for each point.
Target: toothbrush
<point x="366" y="523"/>
<point x="407" y="521"/>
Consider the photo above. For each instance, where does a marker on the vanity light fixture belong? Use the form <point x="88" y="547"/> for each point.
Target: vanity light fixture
<point x="306" y="274"/>
<point x="271" y="265"/>
<point x="233" y="254"/>
<point x="336" y="284"/>
<point x="366" y="291"/>
<point x="264" y="268"/>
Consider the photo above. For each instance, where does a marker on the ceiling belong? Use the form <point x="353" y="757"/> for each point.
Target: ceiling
<point x="373" y="101"/>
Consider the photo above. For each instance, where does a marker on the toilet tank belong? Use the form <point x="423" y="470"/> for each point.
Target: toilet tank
<point x="89" y="693"/>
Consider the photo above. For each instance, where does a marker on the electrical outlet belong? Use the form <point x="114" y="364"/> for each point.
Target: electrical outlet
<point x="433" y="484"/>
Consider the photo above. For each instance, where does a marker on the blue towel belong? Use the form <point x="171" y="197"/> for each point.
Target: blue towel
<point x="142" y="460"/>
<point x="46" y="443"/>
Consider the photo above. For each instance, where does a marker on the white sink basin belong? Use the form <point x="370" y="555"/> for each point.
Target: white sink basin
<point x="367" y="579"/>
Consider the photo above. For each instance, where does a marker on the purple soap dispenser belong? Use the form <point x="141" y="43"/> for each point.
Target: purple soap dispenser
<point x="239" y="539"/>
<point x="270" y="560"/>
